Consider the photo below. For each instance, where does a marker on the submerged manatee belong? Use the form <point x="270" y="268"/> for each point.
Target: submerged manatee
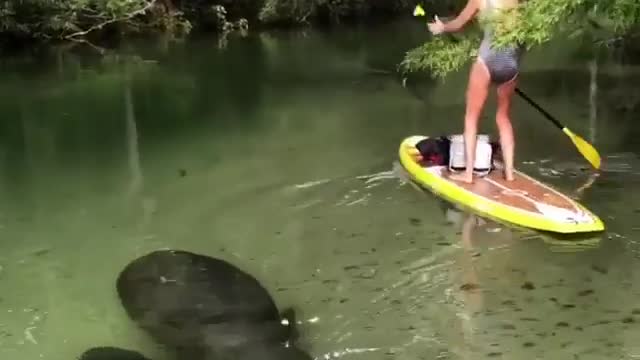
<point x="205" y="308"/>
<point x="111" y="353"/>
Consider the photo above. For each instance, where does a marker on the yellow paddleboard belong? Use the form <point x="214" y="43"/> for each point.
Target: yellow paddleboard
<point x="524" y="201"/>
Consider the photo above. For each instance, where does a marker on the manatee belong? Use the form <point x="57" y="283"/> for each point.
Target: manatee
<point x="206" y="308"/>
<point x="111" y="353"/>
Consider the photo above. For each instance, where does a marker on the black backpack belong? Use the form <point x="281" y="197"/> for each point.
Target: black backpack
<point x="435" y="151"/>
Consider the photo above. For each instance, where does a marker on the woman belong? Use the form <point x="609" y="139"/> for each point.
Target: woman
<point x="498" y="66"/>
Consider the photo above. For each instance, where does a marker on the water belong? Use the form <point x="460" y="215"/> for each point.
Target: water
<point x="278" y="153"/>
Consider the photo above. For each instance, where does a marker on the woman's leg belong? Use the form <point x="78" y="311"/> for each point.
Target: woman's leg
<point x="505" y="130"/>
<point x="477" y="90"/>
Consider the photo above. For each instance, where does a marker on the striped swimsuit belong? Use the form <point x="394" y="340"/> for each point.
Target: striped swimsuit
<point x="502" y="63"/>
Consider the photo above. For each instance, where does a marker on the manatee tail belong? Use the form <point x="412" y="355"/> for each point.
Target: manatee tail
<point x="288" y="316"/>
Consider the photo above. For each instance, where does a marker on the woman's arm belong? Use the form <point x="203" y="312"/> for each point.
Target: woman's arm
<point x="458" y="23"/>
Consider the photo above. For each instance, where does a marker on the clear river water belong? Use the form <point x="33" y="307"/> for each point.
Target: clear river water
<point x="278" y="152"/>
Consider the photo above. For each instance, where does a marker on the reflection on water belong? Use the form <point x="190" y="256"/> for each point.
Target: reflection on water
<point x="278" y="154"/>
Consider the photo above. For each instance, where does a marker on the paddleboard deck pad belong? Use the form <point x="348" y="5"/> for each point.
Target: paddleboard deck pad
<point x="524" y="202"/>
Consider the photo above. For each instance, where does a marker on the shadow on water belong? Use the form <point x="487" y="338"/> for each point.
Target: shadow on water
<point x="546" y="307"/>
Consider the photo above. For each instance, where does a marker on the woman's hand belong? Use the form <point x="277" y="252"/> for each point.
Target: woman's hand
<point x="436" y="27"/>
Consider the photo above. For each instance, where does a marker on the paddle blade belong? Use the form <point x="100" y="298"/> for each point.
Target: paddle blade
<point x="418" y="11"/>
<point x="587" y="150"/>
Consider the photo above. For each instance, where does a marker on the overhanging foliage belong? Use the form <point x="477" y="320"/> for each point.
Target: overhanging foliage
<point x="533" y="23"/>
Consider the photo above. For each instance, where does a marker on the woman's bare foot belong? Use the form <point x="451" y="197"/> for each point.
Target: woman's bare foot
<point x="464" y="177"/>
<point x="508" y="175"/>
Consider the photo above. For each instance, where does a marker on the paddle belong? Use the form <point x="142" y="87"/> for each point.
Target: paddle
<point x="418" y="11"/>
<point x="586" y="149"/>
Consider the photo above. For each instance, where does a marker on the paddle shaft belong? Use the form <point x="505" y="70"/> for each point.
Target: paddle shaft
<point x="543" y="111"/>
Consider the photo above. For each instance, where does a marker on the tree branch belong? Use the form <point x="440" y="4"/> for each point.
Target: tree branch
<point x="110" y="21"/>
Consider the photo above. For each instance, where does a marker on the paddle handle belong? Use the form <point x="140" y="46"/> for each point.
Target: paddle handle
<point x="543" y="111"/>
